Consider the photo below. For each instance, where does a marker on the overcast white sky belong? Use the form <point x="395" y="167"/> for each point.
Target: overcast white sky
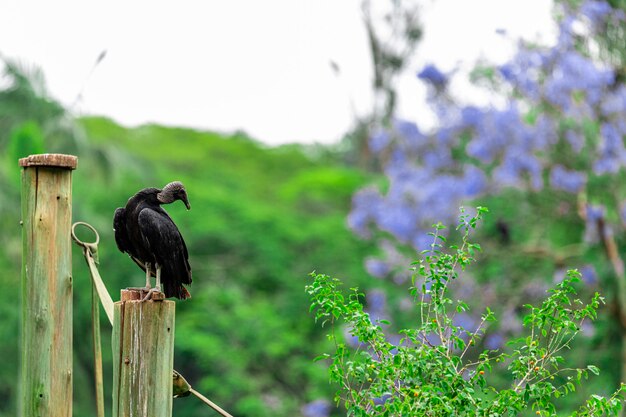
<point x="258" y="66"/>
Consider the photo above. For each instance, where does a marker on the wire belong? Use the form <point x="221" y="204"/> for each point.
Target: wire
<point x="209" y="403"/>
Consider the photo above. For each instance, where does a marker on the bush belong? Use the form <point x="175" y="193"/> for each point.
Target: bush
<point x="435" y="369"/>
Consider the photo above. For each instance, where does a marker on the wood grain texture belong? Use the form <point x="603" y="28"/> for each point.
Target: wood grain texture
<point x="46" y="339"/>
<point x="143" y="352"/>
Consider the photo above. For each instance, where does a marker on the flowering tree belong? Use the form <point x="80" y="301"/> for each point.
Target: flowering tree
<point x="555" y="147"/>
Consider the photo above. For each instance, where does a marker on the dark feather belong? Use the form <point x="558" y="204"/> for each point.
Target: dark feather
<point x="145" y="231"/>
<point x="119" y="221"/>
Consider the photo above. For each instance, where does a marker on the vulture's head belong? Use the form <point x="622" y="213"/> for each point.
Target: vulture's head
<point x="172" y="192"/>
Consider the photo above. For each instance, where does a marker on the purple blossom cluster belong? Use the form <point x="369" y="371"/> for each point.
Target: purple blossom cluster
<point x="596" y="11"/>
<point x="317" y="408"/>
<point x="376" y="305"/>
<point x="431" y="74"/>
<point x="563" y="179"/>
<point x="477" y="151"/>
<point x="561" y="129"/>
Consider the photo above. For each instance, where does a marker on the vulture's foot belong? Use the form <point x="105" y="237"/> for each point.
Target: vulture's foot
<point x="142" y="289"/>
<point x="154" y="294"/>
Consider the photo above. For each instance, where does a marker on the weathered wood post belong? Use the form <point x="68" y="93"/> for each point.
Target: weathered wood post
<point x="46" y="340"/>
<point x="143" y="356"/>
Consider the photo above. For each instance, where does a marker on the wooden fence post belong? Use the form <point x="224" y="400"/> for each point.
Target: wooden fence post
<point x="46" y="340"/>
<point x="143" y="356"/>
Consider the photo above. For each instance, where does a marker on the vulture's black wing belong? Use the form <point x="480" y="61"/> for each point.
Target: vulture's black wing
<point x="119" y="226"/>
<point x="162" y="238"/>
<point x="185" y="254"/>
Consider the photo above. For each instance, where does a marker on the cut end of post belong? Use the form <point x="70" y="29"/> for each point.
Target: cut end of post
<point x="56" y="160"/>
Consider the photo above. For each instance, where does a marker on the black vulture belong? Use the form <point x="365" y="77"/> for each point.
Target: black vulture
<point x="145" y="231"/>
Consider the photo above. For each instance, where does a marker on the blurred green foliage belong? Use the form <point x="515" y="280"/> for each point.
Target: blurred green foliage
<point x="262" y="219"/>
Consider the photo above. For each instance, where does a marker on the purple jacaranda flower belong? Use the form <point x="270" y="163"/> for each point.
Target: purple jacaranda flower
<point x="377" y="267"/>
<point x="588" y="328"/>
<point x="317" y="408"/>
<point x="575" y="139"/>
<point x="507" y="71"/>
<point x="365" y="205"/>
<point x="382" y="400"/>
<point x="438" y="158"/>
<point x="614" y="103"/>
<point x="471" y="116"/>
<point x="593" y="213"/>
<point x="595" y="11"/>
<point x="408" y="130"/>
<point x="379" y="140"/>
<point x="422" y="241"/>
<point x="376" y="304"/>
<point x="588" y="274"/>
<point x="612" y="155"/>
<point x="572" y="74"/>
<point x="474" y="181"/>
<point x="494" y="341"/>
<point x="567" y="180"/>
<point x="465" y="321"/>
<point x="431" y="74"/>
<point x="516" y="167"/>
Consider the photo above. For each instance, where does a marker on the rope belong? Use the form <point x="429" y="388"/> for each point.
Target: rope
<point x="90" y="249"/>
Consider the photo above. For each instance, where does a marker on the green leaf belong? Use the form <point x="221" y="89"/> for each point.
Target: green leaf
<point x="593" y="369"/>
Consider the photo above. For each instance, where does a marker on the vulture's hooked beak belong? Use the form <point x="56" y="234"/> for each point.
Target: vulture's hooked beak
<point x="187" y="203"/>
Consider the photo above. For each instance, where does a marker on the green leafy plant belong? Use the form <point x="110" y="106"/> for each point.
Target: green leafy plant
<point x="436" y="368"/>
